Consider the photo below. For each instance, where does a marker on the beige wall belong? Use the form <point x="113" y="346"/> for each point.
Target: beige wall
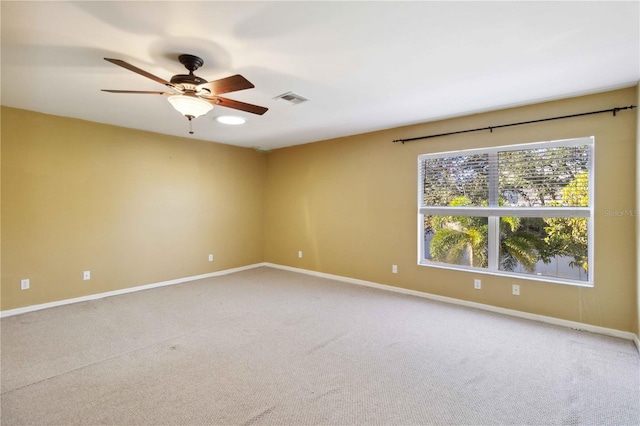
<point x="132" y="207"/>
<point x="638" y="217"/>
<point x="137" y="208"/>
<point x="350" y="205"/>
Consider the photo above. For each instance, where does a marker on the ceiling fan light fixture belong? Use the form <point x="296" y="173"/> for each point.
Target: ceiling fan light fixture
<point x="190" y="105"/>
<point x="231" y="120"/>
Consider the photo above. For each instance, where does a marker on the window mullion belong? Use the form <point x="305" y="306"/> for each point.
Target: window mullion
<point x="493" y="237"/>
<point x="493" y="243"/>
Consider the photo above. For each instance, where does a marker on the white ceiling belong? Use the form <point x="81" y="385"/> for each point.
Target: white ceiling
<point x="364" y="66"/>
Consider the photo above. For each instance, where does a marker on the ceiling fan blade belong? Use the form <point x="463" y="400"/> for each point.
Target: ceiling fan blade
<point x="145" y="92"/>
<point x="226" y="85"/>
<point x="137" y="70"/>
<point x="242" y="106"/>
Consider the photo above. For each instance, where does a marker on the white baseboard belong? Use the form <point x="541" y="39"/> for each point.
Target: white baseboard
<point x="541" y="318"/>
<point x="550" y="320"/>
<point x="32" y="308"/>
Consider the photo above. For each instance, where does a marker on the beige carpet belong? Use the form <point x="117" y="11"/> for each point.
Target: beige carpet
<point x="270" y="347"/>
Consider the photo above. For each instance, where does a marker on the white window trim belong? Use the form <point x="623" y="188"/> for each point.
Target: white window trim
<point x="493" y="213"/>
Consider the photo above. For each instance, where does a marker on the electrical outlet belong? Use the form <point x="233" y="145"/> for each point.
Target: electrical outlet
<point x="477" y="284"/>
<point x="515" y="289"/>
<point x="300" y="254"/>
<point x="24" y="284"/>
<point x="210" y="258"/>
<point x="394" y="269"/>
<point x="86" y="275"/>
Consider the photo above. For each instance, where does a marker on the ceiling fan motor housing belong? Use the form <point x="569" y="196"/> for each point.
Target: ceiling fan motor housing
<point x="191" y="63"/>
<point x="187" y="79"/>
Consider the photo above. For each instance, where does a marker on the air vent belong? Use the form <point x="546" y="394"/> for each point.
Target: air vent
<point x="291" y="98"/>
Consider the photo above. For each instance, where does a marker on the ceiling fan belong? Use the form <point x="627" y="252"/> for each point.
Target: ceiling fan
<point x="193" y="96"/>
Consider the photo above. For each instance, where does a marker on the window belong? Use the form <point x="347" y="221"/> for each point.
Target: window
<point x="519" y="210"/>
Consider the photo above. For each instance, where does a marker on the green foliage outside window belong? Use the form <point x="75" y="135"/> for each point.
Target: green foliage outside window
<point x="535" y="177"/>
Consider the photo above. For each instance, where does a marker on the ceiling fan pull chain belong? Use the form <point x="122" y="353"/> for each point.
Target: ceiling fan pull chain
<point x="190" y="124"/>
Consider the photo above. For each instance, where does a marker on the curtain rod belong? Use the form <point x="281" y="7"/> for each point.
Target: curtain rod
<point x="490" y="128"/>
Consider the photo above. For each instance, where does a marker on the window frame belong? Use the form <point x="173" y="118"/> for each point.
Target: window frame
<point x="494" y="213"/>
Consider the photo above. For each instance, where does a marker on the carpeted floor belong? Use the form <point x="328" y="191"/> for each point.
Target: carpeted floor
<point x="268" y="347"/>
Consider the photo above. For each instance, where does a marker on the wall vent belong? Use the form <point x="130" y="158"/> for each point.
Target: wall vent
<point x="291" y="98"/>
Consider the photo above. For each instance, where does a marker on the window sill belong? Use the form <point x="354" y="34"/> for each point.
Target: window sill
<point x="539" y="278"/>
